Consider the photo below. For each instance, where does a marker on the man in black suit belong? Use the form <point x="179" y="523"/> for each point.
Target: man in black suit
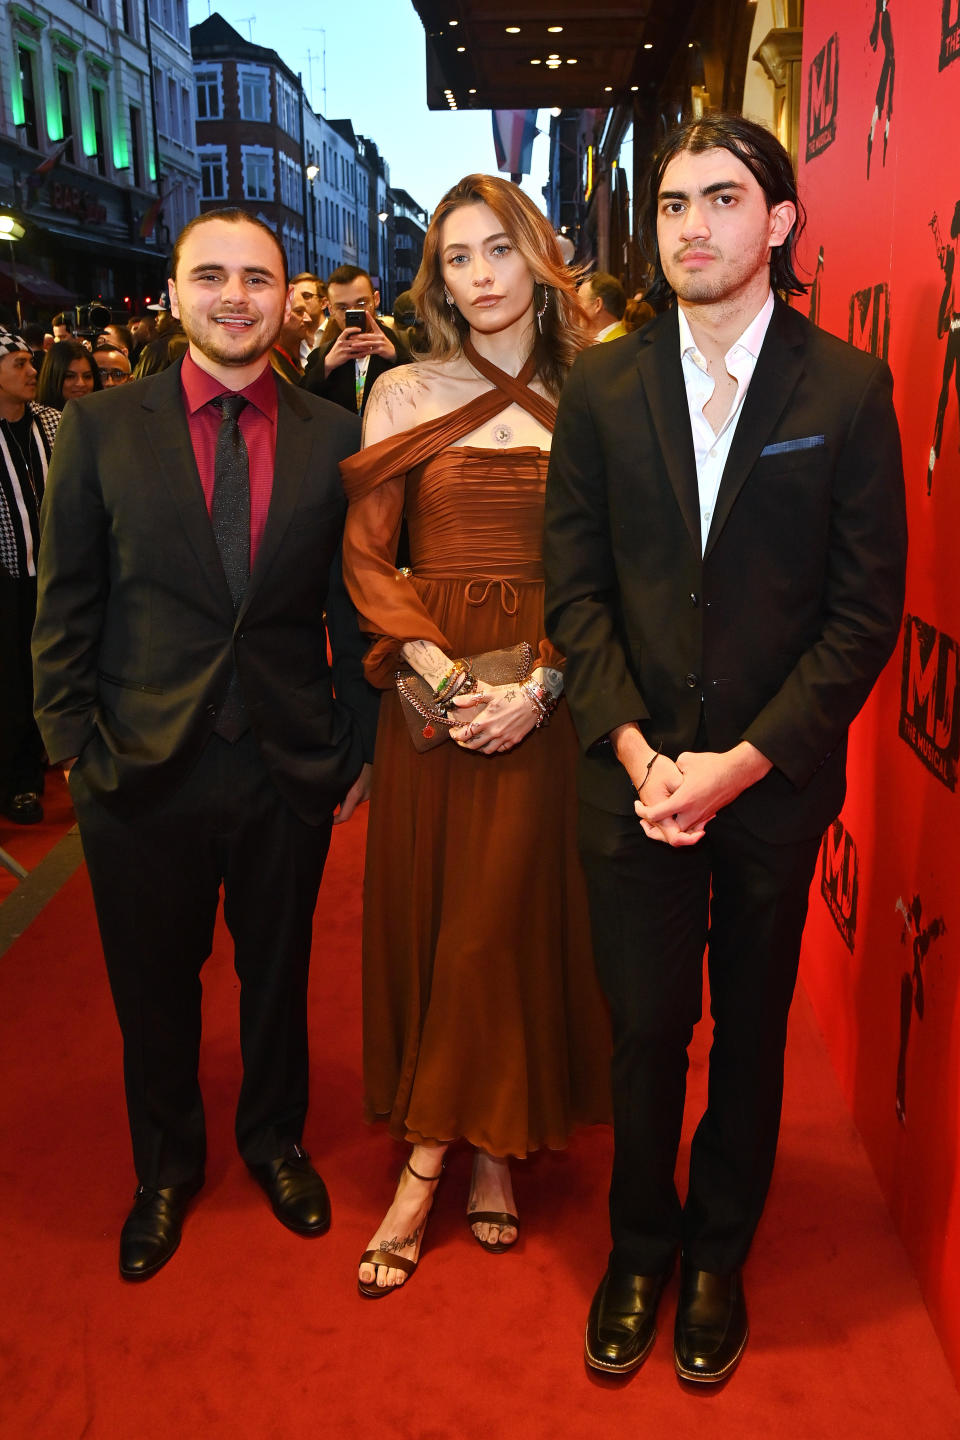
<point x="725" y="555"/>
<point x="344" y="367"/>
<point x="191" y="533"/>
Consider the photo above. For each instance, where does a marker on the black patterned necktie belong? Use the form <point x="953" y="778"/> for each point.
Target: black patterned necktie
<point x="230" y="514"/>
<point x="230" y="510"/>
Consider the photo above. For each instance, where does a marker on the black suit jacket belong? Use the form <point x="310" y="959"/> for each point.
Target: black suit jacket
<point x="778" y="631"/>
<point x="136" y="636"/>
<point x="339" y="386"/>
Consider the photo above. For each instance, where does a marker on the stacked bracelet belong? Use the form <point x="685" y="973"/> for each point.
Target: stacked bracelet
<point x="453" y="681"/>
<point x="541" y="699"/>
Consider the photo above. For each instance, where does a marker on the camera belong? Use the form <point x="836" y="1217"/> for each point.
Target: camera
<point x="356" y="317"/>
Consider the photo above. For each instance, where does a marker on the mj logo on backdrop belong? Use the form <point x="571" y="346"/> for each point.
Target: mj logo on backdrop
<point x="840" y="880"/>
<point x="950" y="33"/>
<point x="870" y="320"/>
<point x="930" y="698"/>
<point x="822" y="90"/>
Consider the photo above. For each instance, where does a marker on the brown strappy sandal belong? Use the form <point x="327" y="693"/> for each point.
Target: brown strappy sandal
<point x="390" y="1258"/>
<point x="503" y="1218"/>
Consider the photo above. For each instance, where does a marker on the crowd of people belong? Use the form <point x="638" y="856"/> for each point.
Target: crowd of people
<point x="604" y="581"/>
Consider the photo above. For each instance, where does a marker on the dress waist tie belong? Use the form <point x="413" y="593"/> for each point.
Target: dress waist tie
<point x="509" y="599"/>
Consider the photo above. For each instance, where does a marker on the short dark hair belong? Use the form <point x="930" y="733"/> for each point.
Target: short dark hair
<point x="346" y="274"/>
<point x="607" y="289"/>
<point x="307" y="277"/>
<point x="233" y="215"/>
<point x="65" y="318"/>
<point x="768" y="163"/>
<point x="123" y="331"/>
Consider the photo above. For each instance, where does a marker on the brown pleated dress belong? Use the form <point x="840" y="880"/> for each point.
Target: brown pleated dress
<point x="482" y="1016"/>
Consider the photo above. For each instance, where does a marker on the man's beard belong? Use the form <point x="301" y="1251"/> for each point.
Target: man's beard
<point x="215" y="348"/>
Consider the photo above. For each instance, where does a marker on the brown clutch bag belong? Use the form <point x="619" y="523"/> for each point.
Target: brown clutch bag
<point x="427" y="720"/>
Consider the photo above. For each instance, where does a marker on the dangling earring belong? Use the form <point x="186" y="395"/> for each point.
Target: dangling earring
<point x="449" y="298"/>
<point x="542" y="309"/>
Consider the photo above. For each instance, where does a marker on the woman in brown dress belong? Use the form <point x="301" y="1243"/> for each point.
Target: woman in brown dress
<point x="482" y="1016"/>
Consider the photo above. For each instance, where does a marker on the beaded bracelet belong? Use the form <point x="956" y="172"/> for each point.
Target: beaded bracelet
<point x="453" y="681"/>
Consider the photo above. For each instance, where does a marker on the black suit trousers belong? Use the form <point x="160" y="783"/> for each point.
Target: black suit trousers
<point x="655" y="909"/>
<point x="156" y="884"/>
<point x="21" y="749"/>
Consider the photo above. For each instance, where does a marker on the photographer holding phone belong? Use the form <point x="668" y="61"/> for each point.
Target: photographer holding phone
<point x="344" y="369"/>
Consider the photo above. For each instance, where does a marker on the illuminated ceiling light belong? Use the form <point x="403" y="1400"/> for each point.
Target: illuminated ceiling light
<point x="553" y="56"/>
<point x="556" y="110"/>
<point x="461" y="49"/>
<point x="536" y="62"/>
<point x="554" y="29"/>
<point x="471" y="92"/>
<point x="571" y="62"/>
<point x="634" y="87"/>
<point x="453" y="22"/>
<point x="648" y="46"/>
<point x="608" y="88"/>
<point x="513" y="29"/>
<point x="553" y="64"/>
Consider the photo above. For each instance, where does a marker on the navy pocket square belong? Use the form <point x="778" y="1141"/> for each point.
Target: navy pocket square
<point x="783" y="447"/>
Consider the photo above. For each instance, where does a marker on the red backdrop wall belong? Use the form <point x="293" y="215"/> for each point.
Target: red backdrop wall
<point x="882" y="950"/>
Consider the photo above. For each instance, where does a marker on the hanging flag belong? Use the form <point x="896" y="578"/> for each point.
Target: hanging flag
<point x="514" y="132"/>
<point x="151" y="216"/>
<point x="35" y="178"/>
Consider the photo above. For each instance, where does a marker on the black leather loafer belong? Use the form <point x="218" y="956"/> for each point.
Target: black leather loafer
<point x="711" y="1329"/>
<point x="25" y="809"/>
<point x="151" y="1232"/>
<point x="622" y="1324"/>
<point x="296" y="1192"/>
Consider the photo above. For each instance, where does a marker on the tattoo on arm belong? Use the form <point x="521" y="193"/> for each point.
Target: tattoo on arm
<point x="550" y="679"/>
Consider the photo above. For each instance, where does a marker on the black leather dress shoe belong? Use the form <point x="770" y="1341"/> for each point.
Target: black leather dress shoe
<point x="622" y="1324"/>
<point x="24" y="809"/>
<point x="151" y="1232"/>
<point x="711" y="1329"/>
<point x="296" y="1192"/>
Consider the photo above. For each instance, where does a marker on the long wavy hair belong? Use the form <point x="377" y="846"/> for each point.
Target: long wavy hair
<point x="565" y="329"/>
<point x="768" y="163"/>
<point x="53" y="371"/>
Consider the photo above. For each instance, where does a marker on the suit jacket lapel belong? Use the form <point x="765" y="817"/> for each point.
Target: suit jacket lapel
<point x="289" y="468"/>
<point x="778" y="369"/>
<point x="167" y="432"/>
<point x="662" y="376"/>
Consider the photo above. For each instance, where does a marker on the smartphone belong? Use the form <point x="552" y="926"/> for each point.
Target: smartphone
<point x="356" y="317"/>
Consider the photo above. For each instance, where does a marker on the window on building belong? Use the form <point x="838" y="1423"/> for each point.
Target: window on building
<point x="128" y="17"/>
<point x="173" y="109"/>
<point x="254" y="92"/>
<point x="65" y="95"/>
<point x="28" y="91"/>
<point x="136" y="145"/>
<point x="181" y="30"/>
<point x="160" y="100"/>
<point x="99" y="128"/>
<point x="257" y="173"/>
<point x="186" y="122"/>
<point x="208" y="94"/>
<point x="213" y="172"/>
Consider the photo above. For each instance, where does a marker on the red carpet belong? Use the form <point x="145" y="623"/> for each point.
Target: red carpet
<point x="253" y="1332"/>
<point x="28" y="844"/>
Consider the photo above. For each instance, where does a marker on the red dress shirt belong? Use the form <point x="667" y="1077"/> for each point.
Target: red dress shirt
<point x="258" y="426"/>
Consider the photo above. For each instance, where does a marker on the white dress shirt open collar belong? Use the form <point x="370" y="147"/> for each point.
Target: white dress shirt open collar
<point x="711" y="450"/>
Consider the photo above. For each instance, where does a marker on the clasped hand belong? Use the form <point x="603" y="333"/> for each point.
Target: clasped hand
<point x="497" y="718"/>
<point x="680" y="798"/>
